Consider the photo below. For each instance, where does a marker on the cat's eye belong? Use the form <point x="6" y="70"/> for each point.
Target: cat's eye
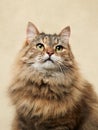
<point x="40" y="46"/>
<point x="59" y="48"/>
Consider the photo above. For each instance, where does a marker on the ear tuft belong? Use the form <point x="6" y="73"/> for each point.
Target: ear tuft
<point x="32" y="32"/>
<point x="65" y="34"/>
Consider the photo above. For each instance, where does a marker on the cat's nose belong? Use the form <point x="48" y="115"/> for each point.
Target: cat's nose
<point x="50" y="52"/>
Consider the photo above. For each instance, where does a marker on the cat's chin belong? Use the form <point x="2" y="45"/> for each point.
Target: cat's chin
<point x="48" y="65"/>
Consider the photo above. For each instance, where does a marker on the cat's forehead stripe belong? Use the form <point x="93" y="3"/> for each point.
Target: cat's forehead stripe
<point x="49" y="39"/>
<point x="46" y="39"/>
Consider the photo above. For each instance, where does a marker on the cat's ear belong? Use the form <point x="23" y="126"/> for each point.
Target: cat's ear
<point x="65" y="34"/>
<point x="32" y="32"/>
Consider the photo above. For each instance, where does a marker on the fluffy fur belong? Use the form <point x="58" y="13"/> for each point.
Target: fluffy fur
<point x="47" y="88"/>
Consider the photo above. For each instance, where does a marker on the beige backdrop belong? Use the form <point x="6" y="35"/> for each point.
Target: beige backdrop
<point x="49" y="16"/>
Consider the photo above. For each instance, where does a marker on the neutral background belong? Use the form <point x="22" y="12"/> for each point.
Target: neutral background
<point x="49" y="16"/>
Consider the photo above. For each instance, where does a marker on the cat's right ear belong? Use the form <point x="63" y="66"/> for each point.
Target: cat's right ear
<point x="32" y="32"/>
<point x="65" y="34"/>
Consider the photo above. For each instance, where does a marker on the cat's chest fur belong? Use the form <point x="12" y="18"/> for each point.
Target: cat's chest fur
<point x="50" y="124"/>
<point x="64" y="121"/>
<point x="43" y="109"/>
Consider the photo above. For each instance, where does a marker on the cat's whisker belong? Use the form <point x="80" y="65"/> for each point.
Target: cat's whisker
<point x="58" y="63"/>
<point x="63" y="66"/>
<point x="66" y="66"/>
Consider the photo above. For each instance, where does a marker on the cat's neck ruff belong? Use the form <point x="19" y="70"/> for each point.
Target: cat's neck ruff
<point x="51" y="77"/>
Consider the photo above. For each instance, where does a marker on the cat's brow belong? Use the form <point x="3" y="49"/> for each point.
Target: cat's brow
<point x="46" y="39"/>
<point x="49" y="39"/>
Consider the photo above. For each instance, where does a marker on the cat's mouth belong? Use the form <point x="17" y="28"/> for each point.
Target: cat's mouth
<point x="49" y="59"/>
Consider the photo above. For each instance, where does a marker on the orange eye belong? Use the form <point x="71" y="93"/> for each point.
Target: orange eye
<point x="40" y="46"/>
<point x="59" y="48"/>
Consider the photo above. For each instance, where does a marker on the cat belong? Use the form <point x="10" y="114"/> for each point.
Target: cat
<point x="47" y="88"/>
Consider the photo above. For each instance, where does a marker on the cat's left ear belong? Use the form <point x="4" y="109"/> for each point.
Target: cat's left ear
<point x="65" y="34"/>
<point x="32" y="32"/>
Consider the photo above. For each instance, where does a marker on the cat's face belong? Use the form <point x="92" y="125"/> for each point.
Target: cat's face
<point x="46" y="52"/>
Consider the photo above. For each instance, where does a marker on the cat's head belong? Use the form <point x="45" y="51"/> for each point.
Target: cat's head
<point x="46" y="52"/>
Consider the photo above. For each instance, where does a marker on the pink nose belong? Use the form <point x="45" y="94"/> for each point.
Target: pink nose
<point x="50" y="53"/>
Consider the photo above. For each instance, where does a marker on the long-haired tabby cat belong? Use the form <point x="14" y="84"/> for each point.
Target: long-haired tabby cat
<point x="47" y="89"/>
